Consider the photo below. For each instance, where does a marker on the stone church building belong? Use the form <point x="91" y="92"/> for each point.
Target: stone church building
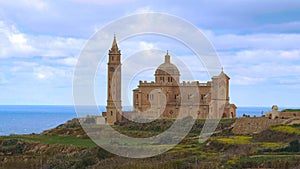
<point x="167" y="96"/>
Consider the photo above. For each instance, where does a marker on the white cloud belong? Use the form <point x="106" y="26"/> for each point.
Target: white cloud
<point x="259" y="66"/>
<point x="146" y="45"/>
<point x="20" y="65"/>
<point x="46" y="72"/>
<point x="67" y="61"/>
<point x="259" y="58"/>
<point x="13" y="41"/>
<point x="25" y="64"/>
<point x="130" y="47"/>
<point x="144" y="9"/>
<point x="290" y="81"/>
<point x="36" y="4"/>
<point x="267" y="41"/>
<point x="103" y="2"/>
<point x="286" y="26"/>
<point x="17" y="44"/>
<point x="244" y="80"/>
<point x="293" y="54"/>
<point x="39" y="5"/>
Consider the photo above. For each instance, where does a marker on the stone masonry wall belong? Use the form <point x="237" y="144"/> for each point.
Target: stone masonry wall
<point x="252" y="125"/>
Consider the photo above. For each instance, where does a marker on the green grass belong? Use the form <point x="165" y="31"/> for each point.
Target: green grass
<point x="286" y="129"/>
<point x="272" y="145"/>
<point x="265" y="158"/>
<point x="45" y="139"/>
<point x="135" y="132"/>
<point x="234" y="139"/>
<point x="291" y="110"/>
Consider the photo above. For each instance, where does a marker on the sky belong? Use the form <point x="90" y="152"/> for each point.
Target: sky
<point x="257" y="43"/>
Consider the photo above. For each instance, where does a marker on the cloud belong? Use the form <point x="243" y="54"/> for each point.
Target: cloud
<point x="266" y="41"/>
<point x="292" y="26"/>
<point x="103" y="2"/>
<point x="21" y="65"/>
<point x="46" y="72"/>
<point x="253" y="59"/>
<point x="14" y="43"/>
<point x="292" y="55"/>
<point x="258" y="46"/>
<point x="146" y="46"/>
<point x="291" y="81"/>
<point x="25" y="64"/>
<point x="244" y="80"/>
<point x="144" y="9"/>
<point x="36" y="4"/>
<point x="251" y="67"/>
<point x="67" y="61"/>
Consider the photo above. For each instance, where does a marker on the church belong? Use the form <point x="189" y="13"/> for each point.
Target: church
<point x="167" y="96"/>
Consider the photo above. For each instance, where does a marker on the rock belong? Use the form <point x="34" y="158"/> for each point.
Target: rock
<point x="43" y="148"/>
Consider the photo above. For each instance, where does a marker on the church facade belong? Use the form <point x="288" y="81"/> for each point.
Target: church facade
<point x="167" y="96"/>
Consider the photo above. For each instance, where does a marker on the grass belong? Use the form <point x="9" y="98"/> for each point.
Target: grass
<point x="45" y="139"/>
<point x="233" y="160"/>
<point x="272" y="145"/>
<point x="135" y="132"/>
<point x="219" y="151"/>
<point x="287" y="129"/>
<point x="234" y="140"/>
<point x="291" y="110"/>
<point x="266" y="158"/>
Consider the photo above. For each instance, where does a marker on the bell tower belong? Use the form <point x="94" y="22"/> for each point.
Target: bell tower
<point x="114" y="104"/>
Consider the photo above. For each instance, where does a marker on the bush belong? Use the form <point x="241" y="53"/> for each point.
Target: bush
<point x="293" y="147"/>
<point x="10" y="142"/>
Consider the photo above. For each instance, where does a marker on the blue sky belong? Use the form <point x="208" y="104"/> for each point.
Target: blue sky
<point x="257" y="42"/>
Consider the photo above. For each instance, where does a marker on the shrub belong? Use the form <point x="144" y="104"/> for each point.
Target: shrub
<point x="286" y="129"/>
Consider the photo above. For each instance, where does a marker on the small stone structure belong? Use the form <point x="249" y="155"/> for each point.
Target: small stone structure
<point x="274" y="113"/>
<point x="253" y="125"/>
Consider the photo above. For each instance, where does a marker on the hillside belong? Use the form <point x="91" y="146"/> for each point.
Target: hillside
<point x="67" y="146"/>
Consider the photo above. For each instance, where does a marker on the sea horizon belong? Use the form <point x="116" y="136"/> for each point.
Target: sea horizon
<point x="27" y="119"/>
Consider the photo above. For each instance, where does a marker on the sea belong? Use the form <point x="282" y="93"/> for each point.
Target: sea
<point x="21" y="119"/>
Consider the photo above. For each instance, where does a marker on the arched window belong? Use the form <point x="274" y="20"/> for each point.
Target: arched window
<point x="111" y="113"/>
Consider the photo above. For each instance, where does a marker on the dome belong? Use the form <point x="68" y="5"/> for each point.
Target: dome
<point x="167" y="68"/>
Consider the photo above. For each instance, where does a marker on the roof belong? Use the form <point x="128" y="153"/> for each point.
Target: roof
<point x="167" y="67"/>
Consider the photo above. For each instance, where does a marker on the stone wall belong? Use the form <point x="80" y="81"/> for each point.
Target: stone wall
<point x="289" y="114"/>
<point x="252" y="125"/>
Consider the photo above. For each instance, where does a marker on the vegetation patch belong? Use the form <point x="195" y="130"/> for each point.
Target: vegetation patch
<point x="234" y="140"/>
<point x="45" y="139"/>
<point x="291" y="110"/>
<point x="286" y="129"/>
<point x="272" y="145"/>
<point x="267" y="161"/>
<point x="62" y="147"/>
